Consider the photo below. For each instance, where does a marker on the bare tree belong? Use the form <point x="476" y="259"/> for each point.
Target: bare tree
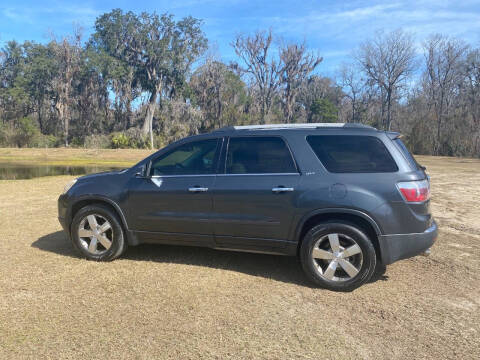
<point x="388" y="60"/>
<point x="471" y="75"/>
<point x="219" y="92"/>
<point x="254" y="51"/>
<point x="316" y="90"/>
<point x="472" y="78"/>
<point x="353" y="86"/>
<point x="443" y="72"/>
<point x="207" y="83"/>
<point x="297" y="64"/>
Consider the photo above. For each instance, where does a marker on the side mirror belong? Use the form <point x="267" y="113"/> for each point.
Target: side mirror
<point x="141" y="173"/>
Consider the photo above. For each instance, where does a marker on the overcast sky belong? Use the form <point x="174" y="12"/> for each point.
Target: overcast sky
<point x="333" y="28"/>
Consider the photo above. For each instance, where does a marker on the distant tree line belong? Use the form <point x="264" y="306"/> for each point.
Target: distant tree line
<point x="144" y="80"/>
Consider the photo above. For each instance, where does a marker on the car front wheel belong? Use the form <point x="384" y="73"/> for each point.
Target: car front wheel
<point x="338" y="256"/>
<point x="97" y="234"/>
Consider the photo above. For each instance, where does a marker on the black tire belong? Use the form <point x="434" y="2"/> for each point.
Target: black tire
<point x="347" y="230"/>
<point x="118" y="243"/>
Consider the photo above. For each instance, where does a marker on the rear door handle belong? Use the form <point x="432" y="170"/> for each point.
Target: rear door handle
<point x="198" y="189"/>
<point x="282" y="189"/>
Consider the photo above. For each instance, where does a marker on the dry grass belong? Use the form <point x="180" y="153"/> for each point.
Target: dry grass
<point x="71" y="156"/>
<point x="190" y="303"/>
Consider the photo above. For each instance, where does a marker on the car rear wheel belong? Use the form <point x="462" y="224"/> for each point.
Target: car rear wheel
<point x="97" y="233"/>
<point x="338" y="256"/>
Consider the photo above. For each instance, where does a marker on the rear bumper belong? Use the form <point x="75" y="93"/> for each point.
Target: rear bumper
<point x="402" y="246"/>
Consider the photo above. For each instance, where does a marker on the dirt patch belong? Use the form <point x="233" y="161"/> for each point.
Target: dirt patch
<point x="190" y="303"/>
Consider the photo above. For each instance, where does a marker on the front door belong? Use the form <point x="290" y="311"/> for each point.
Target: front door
<point x="173" y="204"/>
<point x="254" y="199"/>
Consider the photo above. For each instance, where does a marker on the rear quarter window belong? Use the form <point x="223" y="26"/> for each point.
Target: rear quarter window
<point x="411" y="160"/>
<point x="352" y="153"/>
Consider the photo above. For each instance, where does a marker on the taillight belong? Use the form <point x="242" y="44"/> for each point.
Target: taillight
<point x="414" y="191"/>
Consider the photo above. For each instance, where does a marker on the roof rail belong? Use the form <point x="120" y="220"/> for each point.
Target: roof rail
<point x="294" y="126"/>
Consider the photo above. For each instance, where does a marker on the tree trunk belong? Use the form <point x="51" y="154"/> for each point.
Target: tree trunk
<point x="66" y="123"/>
<point x="148" y="124"/>
<point x="129" y="122"/>
<point x="289" y="107"/>
<point x="439" y="126"/>
<point x="389" y="110"/>
<point x="288" y="104"/>
<point x="62" y="110"/>
<point x="439" y="113"/>
<point x="65" y="126"/>
<point x="262" y="111"/>
<point x="40" y="118"/>
<point x="353" y="107"/>
<point x="382" y="108"/>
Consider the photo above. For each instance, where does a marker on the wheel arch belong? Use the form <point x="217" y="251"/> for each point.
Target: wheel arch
<point x="91" y="200"/>
<point x="356" y="217"/>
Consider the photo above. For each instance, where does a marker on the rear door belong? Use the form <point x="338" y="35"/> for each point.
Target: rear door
<point x="254" y="198"/>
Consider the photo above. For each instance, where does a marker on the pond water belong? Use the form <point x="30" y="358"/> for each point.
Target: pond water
<point x="9" y="171"/>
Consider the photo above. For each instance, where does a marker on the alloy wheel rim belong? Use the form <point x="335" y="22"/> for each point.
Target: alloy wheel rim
<point x="96" y="234"/>
<point x="337" y="257"/>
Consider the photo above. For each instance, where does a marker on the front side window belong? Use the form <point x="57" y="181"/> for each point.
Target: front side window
<point x="194" y="158"/>
<point x="259" y="155"/>
<point x="352" y="153"/>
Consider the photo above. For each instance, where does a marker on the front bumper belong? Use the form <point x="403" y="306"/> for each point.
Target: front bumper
<point x="64" y="224"/>
<point x="62" y="213"/>
<point x="402" y="246"/>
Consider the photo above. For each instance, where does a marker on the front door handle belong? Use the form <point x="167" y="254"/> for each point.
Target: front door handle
<point x="281" y="189"/>
<point x="198" y="189"/>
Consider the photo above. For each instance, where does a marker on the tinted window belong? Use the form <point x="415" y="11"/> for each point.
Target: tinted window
<point x="406" y="153"/>
<point x="356" y="154"/>
<point x="259" y="155"/>
<point x="194" y="158"/>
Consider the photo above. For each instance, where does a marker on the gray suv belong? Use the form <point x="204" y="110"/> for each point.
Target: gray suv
<point x="344" y="198"/>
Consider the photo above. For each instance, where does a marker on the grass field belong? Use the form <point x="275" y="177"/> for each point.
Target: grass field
<point x="78" y="157"/>
<point x="191" y="303"/>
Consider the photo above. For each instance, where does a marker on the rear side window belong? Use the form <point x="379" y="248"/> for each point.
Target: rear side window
<point x="401" y="146"/>
<point x="352" y="154"/>
<point x="259" y="155"/>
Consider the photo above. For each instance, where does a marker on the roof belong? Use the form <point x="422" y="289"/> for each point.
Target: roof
<point x="295" y="126"/>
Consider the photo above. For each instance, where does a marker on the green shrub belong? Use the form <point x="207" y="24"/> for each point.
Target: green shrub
<point x="132" y="138"/>
<point x="26" y="132"/>
<point x="120" y="141"/>
<point x="6" y="135"/>
<point x="137" y="139"/>
<point x="43" y="141"/>
<point x="97" y="141"/>
<point x="160" y="141"/>
<point x="324" y="110"/>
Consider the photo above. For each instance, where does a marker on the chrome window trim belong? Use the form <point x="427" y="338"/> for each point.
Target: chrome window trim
<point x="176" y="176"/>
<point x="261" y="174"/>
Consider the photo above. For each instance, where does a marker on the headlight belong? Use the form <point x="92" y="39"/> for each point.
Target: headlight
<point x="69" y="185"/>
